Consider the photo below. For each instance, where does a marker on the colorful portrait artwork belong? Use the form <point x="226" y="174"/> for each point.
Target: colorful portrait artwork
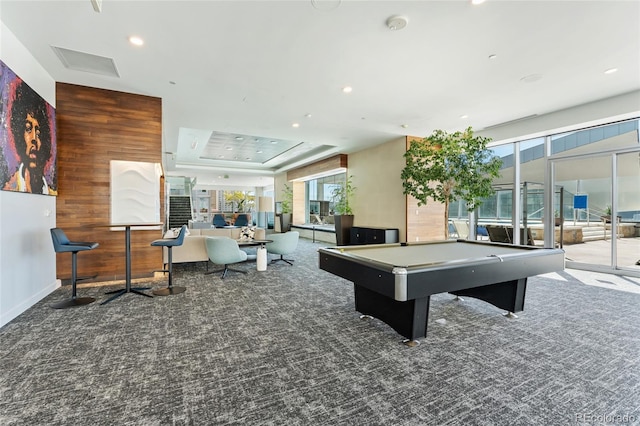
<point x="28" y="148"/>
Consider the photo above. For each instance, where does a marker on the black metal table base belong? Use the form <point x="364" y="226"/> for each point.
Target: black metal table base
<point x="70" y="303"/>
<point x="118" y="293"/>
<point x="168" y="291"/>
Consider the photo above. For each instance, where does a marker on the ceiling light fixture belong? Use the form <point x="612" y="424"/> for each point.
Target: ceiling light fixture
<point x="396" y="22"/>
<point x="347" y="89"/>
<point x="239" y="138"/>
<point x="611" y="70"/>
<point x="404" y="126"/>
<point x="493" y="56"/>
<point x="136" y="41"/>
<point x="97" y="5"/>
<point x="531" y="78"/>
<point x="296" y="125"/>
<point x="477" y="2"/>
<point x="464" y="116"/>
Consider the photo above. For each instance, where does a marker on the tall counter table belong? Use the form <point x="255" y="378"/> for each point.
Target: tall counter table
<point x="127" y="244"/>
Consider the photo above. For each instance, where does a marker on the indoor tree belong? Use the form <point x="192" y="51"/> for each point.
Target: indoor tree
<point x="287" y="208"/>
<point x="450" y="166"/>
<point x="341" y="196"/>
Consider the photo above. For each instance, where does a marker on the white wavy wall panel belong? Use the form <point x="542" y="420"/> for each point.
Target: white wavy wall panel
<point x="135" y="192"/>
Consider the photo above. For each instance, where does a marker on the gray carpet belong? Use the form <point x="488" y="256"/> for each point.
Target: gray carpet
<point x="285" y="347"/>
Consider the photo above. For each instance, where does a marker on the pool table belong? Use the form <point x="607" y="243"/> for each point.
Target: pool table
<point x="394" y="282"/>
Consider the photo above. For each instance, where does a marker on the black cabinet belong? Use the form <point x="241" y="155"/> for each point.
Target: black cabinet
<point x="369" y="235"/>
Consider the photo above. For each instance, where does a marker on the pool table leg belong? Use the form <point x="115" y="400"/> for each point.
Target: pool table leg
<point x="507" y="295"/>
<point x="408" y="318"/>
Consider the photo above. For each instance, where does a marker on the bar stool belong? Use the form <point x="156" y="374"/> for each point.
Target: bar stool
<point x="61" y="244"/>
<point x="170" y="243"/>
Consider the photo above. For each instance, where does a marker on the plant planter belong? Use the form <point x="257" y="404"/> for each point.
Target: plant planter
<point x="285" y="222"/>
<point x="343" y="222"/>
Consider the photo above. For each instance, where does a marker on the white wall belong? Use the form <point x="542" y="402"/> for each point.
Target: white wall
<point x="591" y="114"/>
<point x="27" y="259"/>
<point x="379" y="200"/>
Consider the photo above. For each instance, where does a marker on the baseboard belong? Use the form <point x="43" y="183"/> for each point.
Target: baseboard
<point x="8" y="316"/>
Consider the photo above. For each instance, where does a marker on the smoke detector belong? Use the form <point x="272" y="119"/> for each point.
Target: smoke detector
<point x="397" y="22"/>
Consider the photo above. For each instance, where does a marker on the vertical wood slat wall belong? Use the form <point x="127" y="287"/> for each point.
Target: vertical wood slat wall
<point x="95" y="126"/>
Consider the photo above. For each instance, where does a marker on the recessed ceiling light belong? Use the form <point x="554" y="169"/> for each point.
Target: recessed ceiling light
<point x="531" y="78"/>
<point x="172" y="82"/>
<point x="258" y="152"/>
<point x="477" y="1"/>
<point x="274" y="142"/>
<point x="404" y="126"/>
<point x="136" y="41"/>
<point x="611" y="70"/>
<point x="229" y="148"/>
<point x="325" y="4"/>
<point x="464" y="116"/>
<point x="347" y="89"/>
<point x="493" y="56"/>
<point x="239" y="138"/>
<point x="295" y="125"/>
<point x="308" y="115"/>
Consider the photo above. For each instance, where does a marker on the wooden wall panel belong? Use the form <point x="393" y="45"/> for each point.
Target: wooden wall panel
<point x="322" y="166"/>
<point x="424" y="223"/>
<point x="298" y="217"/>
<point x="95" y="126"/>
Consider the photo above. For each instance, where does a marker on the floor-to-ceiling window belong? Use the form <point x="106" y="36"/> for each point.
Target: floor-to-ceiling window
<point x="600" y="167"/>
<point x="593" y="178"/>
<point x="319" y="198"/>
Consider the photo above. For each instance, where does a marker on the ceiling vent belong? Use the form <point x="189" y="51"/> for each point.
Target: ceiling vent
<point x="86" y="62"/>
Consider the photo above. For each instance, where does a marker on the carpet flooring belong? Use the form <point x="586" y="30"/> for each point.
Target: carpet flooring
<point x="286" y="347"/>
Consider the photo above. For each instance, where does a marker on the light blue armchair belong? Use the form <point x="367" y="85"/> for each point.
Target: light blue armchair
<point x="224" y="251"/>
<point x="283" y="244"/>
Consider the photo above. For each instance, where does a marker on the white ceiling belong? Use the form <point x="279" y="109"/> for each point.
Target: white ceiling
<point x="253" y="68"/>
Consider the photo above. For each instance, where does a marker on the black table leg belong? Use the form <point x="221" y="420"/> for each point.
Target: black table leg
<point x="127" y="288"/>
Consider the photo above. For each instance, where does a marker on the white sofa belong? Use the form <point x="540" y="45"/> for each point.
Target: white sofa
<point x="194" y="250"/>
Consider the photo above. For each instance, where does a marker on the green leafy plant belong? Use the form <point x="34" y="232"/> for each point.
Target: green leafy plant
<point x="287" y="199"/>
<point x="450" y="166"/>
<point x="239" y="199"/>
<point x="342" y="196"/>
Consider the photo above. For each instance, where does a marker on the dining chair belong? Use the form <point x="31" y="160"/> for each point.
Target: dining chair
<point x="219" y="221"/>
<point x="241" y="220"/>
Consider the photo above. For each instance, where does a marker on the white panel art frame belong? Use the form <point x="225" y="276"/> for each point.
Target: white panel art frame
<point x="135" y="192"/>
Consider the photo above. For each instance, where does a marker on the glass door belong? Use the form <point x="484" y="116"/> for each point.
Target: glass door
<point x="587" y="238"/>
<point x="627" y="211"/>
